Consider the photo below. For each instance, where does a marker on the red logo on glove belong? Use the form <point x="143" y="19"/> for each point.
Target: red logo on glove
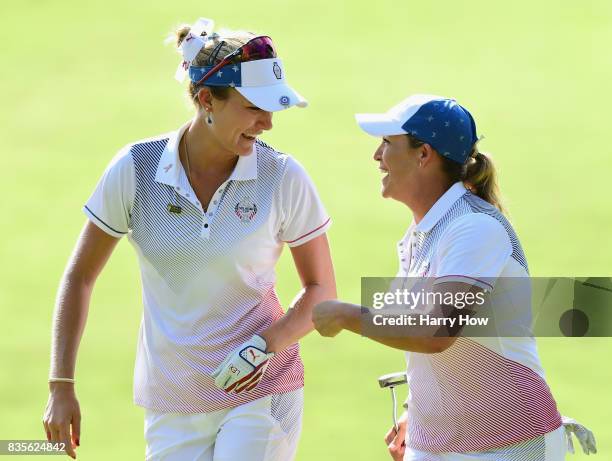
<point x="255" y="357"/>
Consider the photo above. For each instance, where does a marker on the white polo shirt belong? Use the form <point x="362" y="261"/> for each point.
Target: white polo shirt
<point x="207" y="277"/>
<point x="481" y="393"/>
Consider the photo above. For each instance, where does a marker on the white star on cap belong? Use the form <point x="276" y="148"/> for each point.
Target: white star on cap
<point x="446" y="123"/>
<point x="433" y="134"/>
<point x="232" y="84"/>
<point x="430" y="118"/>
<point x="461" y="138"/>
<point x="219" y="74"/>
<point x="235" y="68"/>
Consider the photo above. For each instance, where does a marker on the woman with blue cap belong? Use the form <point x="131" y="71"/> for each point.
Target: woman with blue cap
<point x="471" y="398"/>
<point x="208" y="209"/>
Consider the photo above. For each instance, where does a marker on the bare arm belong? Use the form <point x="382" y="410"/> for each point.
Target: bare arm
<point x="91" y="253"/>
<point x="334" y="316"/>
<point x="331" y="317"/>
<point x="314" y="265"/>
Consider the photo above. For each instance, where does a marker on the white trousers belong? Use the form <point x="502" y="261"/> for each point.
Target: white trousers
<point x="265" y="429"/>
<point x="549" y="447"/>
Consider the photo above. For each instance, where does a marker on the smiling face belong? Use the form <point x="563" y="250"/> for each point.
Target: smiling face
<point x="399" y="163"/>
<point x="237" y="123"/>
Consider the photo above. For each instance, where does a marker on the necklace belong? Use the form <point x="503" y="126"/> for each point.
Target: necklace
<point x="175" y="208"/>
<point x="187" y="158"/>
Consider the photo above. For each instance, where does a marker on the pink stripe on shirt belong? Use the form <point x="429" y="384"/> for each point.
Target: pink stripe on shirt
<point x="309" y="233"/>
<point x="468" y="398"/>
<point x="176" y="378"/>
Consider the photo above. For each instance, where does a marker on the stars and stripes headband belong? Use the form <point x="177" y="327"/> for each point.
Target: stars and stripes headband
<point x="253" y="69"/>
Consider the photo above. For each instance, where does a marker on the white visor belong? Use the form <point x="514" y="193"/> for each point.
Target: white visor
<point x="264" y="85"/>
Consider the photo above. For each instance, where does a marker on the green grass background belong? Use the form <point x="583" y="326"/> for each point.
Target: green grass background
<point x="82" y="78"/>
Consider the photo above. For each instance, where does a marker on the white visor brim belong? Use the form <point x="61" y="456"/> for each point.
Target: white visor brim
<point x="273" y="98"/>
<point x="264" y="85"/>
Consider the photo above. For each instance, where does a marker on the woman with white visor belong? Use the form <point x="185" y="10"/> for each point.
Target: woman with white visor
<point x="471" y="398"/>
<point x="208" y="209"/>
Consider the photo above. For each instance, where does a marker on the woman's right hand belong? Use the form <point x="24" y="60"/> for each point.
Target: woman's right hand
<point x="61" y="413"/>
<point x="396" y="441"/>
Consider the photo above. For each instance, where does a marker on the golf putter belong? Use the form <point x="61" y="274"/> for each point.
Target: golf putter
<point x="391" y="380"/>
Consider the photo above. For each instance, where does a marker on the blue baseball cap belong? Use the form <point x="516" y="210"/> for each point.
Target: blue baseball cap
<point x="440" y="122"/>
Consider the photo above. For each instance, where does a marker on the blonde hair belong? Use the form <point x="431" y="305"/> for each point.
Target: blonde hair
<point x="478" y="174"/>
<point x="216" y="48"/>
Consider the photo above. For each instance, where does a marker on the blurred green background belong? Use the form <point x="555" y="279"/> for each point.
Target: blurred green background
<point x="82" y="78"/>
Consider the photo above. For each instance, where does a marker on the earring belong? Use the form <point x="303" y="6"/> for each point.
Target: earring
<point x="209" y="120"/>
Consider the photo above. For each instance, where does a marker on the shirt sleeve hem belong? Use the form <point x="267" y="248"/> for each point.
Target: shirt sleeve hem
<point x="307" y="237"/>
<point x="484" y="284"/>
<point x="101" y="224"/>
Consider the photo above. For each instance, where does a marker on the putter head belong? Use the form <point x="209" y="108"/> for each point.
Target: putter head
<point x="393" y="379"/>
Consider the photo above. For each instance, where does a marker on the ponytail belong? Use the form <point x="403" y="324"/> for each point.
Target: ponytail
<point x="213" y="53"/>
<point x="480" y="177"/>
<point x="478" y="174"/>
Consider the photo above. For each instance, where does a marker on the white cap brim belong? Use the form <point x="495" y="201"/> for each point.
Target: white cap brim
<point x="379" y="124"/>
<point x="273" y="98"/>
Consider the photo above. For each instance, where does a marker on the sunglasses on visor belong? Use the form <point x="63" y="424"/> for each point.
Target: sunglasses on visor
<point x="253" y="50"/>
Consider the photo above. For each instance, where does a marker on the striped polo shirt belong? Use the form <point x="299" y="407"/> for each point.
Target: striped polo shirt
<point x="207" y="275"/>
<point x="480" y="393"/>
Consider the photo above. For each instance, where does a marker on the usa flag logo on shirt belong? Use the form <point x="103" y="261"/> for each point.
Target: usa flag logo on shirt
<point x="246" y="209"/>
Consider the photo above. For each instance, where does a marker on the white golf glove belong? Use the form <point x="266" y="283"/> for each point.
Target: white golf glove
<point x="584" y="436"/>
<point x="243" y="368"/>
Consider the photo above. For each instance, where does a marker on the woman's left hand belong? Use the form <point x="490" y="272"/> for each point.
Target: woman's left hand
<point x="328" y="317"/>
<point x="243" y="368"/>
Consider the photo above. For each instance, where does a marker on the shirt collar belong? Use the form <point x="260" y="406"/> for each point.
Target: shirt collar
<point x="169" y="166"/>
<point x="246" y="167"/>
<point x="442" y="205"/>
